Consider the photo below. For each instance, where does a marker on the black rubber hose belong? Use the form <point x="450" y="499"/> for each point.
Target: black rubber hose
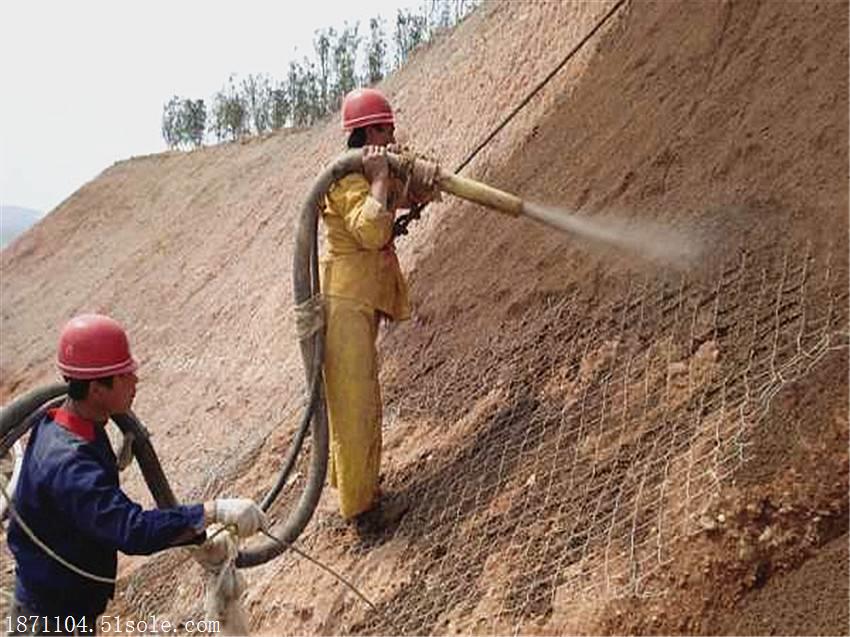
<point x="19" y="416"/>
<point x="312" y="371"/>
<point x="148" y="460"/>
<point x="298" y="441"/>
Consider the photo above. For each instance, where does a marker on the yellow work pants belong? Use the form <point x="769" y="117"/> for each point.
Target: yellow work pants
<point x="354" y="403"/>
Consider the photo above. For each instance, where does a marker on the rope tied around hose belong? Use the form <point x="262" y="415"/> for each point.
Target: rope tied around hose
<point x="422" y="177"/>
<point x="309" y="317"/>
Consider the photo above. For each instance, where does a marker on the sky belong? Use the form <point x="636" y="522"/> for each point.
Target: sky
<point x="84" y="82"/>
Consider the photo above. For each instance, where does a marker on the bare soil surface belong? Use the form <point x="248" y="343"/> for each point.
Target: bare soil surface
<point x="591" y="443"/>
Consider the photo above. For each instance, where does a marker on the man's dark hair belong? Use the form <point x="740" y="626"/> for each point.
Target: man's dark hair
<point x="79" y="389"/>
<point x="357" y="139"/>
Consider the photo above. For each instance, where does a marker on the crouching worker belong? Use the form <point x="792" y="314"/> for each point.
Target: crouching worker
<point x="69" y="498"/>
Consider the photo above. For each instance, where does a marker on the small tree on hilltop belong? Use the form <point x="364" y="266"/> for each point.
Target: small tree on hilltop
<point x="344" y="59"/>
<point x="440" y="15"/>
<point x="410" y="31"/>
<point x="298" y="95"/>
<point x="184" y="122"/>
<point x="230" y="115"/>
<point x="193" y="122"/>
<point x="315" y="103"/>
<point x="376" y="51"/>
<point x="322" y="45"/>
<point x="279" y="106"/>
<point x="256" y="93"/>
<point x="171" y="122"/>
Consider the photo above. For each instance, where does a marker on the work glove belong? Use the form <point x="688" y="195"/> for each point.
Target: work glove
<point x="242" y="513"/>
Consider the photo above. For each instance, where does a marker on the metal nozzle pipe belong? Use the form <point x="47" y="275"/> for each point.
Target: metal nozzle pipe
<point x="483" y="194"/>
<point x="427" y="175"/>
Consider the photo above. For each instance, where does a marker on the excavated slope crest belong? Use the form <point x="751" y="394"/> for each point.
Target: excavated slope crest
<point x="537" y="505"/>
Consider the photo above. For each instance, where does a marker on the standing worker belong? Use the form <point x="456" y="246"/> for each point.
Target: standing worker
<point x="362" y="283"/>
<point x="69" y="498"/>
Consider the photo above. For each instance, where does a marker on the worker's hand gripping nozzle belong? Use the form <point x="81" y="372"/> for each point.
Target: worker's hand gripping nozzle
<point x="419" y="174"/>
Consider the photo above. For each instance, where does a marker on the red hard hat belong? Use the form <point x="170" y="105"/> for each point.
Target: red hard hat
<point x="94" y="346"/>
<point x="365" y="107"/>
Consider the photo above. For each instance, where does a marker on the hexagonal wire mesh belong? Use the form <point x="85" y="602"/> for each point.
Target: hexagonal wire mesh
<point x="606" y="444"/>
<point x="599" y="442"/>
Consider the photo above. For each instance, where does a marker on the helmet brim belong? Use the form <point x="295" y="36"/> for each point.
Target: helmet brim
<point x="127" y="366"/>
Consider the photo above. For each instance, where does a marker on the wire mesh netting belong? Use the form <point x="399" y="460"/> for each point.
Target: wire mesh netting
<point x="600" y="442"/>
<point x="588" y="446"/>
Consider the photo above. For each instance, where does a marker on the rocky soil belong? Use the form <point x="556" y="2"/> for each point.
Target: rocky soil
<point x="591" y="443"/>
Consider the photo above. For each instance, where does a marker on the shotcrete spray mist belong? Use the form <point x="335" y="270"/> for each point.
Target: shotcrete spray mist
<point x="643" y="238"/>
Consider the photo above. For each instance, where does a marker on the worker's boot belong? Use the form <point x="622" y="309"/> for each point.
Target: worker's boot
<point x="393" y="507"/>
<point x="383" y="517"/>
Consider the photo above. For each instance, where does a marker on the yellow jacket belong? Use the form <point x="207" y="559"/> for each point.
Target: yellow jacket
<point x="360" y="261"/>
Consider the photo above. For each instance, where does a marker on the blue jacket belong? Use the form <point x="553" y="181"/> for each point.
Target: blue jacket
<point x="68" y="494"/>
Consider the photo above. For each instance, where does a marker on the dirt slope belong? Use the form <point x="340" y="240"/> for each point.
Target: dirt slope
<point x="592" y="444"/>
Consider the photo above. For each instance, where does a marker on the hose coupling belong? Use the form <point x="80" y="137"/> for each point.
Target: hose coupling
<point x="420" y="175"/>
